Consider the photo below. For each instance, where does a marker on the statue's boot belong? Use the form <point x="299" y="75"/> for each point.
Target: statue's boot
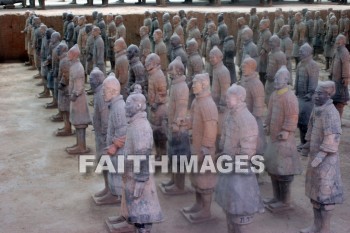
<point x="196" y="207"/>
<point x="325" y="221"/>
<point x="146" y="228"/>
<point x="67" y="129"/>
<point x="37" y="76"/>
<point x="108" y="199"/>
<point x="169" y="182"/>
<point x="204" y="213"/>
<point x="45" y="93"/>
<point x="121" y="227"/>
<point x="178" y="187"/>
<point x="80" y="148"/>
<point x="57" y="117"/>
<point x="41" y="83"/>
<point x="317" y="223"/>
<point x="105" y="190"/>
<point x="275" y="190"/>
<point x="116" y="219"/>
<point x="53" y="104"/>
<point x="284" y="203"/>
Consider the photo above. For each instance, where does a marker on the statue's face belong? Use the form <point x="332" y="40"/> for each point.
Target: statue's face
<point x="118" y="20"/>
<point x="232" y="100"/>
<point x="214" y="59"/>
<point x="211" y="30"/>
<point x="156" y="36"/>
<point x="272" y="44"/>
<point x="149" y="64"/>
<point x="339" y="41"/>
<point x="130" y="53"/>
<point x="42" y="30"/>
<point x="93" y="82"/>
<point x="320" y="97"/>
<point x="197" y="86"/>
<point x="280" y="83"/>
<point x="142" y="32"/>
<point x="117" y="48"/>
<point x="94" y="14"/>
<point x="107" y="93"/>
<point x="262" y="26"/>
<point x="317" y="14"/>
<point x="303" y="53"/>
<point x="131" y="107"/>
<point x="95" y="32"/>
<point x="247" y="69"/>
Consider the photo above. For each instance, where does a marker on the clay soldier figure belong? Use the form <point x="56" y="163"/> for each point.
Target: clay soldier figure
<point x="229" y="52"/>
<point x="208" y="18"/>
<point x="89" y="49"/>
<point x="323" y="138"/>
<point x="344" y="25"/>
<point x="287" y="47"/>
<point x="279" y="21"/>
<point x="81" y="41"/>
<point x="238" y="194"/>
<point x="291" y="22"/>
<point x="145" y="44"/>
<point x="111" y="32"/>
<point x="194" y="65"/>
<point x="309" y="29"/>
<point x="241" y="23"/>
<point x="307" y="74"/>
<point x="254" y="24"/>
<point x="204" y="118"/>
<point x="298" y="36"/>
<point x="100" y="122"/>
<point x="317" y="42"/>
<point x="140" y="205"/>
<point x="137" y="72"/>
<point x="328" y="17"/>
<point x="167" y="33"/>
<point x="36" y="44"/>
<point x="263" y="47"/>
<point x="94" y="18"/>
<point x="68" y="36"/>
<point x="193" y="32"/>
<point x="329" y="40"/>
<point x="340" y="74"/>
<point x="157" y="98"/>
<point x="249" y="48"/>
<point x="122" y="65"/>
<point x="79" y="111"/>
<point x="255" y="97"/>
<point x="26" y="33"/>
<point x="65" y="22"/>
<point x="212" y="40"/>
<point x="44" y="53"/>
<point x="147" y="21"/>
<point x="222" y="30"/>
<point x="154" y="26"/>
<point x="102" y="25"/>
<point x="177" y="49"/>
<point x="178" y="29"/>
<point x="76" y="29"/>
<point x="183" y="18"/>
<point x="121" y="30"/>
<point x="276" y="60"/>
<point x="178" y="137"/>
<point x="98" y="50"/>
<point x="160" y="49"/>
<point x="281" y="156"/>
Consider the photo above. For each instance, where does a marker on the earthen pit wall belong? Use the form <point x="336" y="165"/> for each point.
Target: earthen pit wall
<point x="12" y="40"/>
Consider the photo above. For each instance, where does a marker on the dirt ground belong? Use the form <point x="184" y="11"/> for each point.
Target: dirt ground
<point x="42" y="191"/>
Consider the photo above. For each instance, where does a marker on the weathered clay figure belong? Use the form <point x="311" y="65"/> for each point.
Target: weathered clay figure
<point x="121" y="65"/>
<point x="177" y="49"/>
<point x="317" y="42"/>
<point x="204" y="118"/>
<point x="26" y="33"/>
<point x="281" y="156"/>
<point x="279" y="21"/>
<point x="309" y="27"/>
<point x="167" y="33"/>
<point x="98" y="57"/>
<point x="100" y="121"/>
<point x="178" y="30"/>
<point x="241" y="23"/>
<point x="238" y="194"/>
<point x="184" y="21"/>
<point x="44" y="53"/>
<point x="229" y="52"/>
<point x="298" y="36"/>
<point x="154" y="26"/>
<point x="147" y="21"/>
<point x="255" y="97"/>
<point x="212" y="40"/>
<point x="111" y="33"/>
<point x="254" y="24"/>
<point x="323" y="138"/>
<point x="344" y="25"/>
<point x="178" y="137"/>
<point x="222" y="30"/>
<point x="115" y="138"/>
<point x="89" y="49"/>
<point x="63" y="89"/>
<point x="276" y="60"/>
<point x="249" y="48"/>
<point x="193" y="32"/>
<point x="145" y="44"/>
<point x="263" y="48"/>
<point x="36" y="44"/>
<point x="102" y="26"/>
<point x="160" y="49"/>
<point x="329" y="40"/>
<point x="140" y="205"/>
<point x="307" y="74"/>
<point x="157" y="98"/>
<point x="291" y="22"/>
<point x="287" y="47"/>
<point x="137" y="72"/>
<point x="69" y="34"/>
<point x="121" y="29"/>
<point x="76" y="29"/>
<point x="82" y="39"/>
<point x="340" y="74"/>
<point x="79" y="111"/>
<point x="208" y="18"/>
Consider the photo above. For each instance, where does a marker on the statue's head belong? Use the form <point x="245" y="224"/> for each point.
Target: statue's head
<point x="152" y="62"/>
<point x="274" y="42"/>
<point x="176" y="19"/>
<point x="192" y="23"/>
<point x="55" y="37"/>
<point x="61" y="48"/>
<point x="175" y="40"/>
<point x="109" y="17"/>
<point x="147" y="14"/>
<point x="119" y="45"/>
<point x="70" y="17"/>
<point x="220" y="17"/>
<point x="96" y="78"/>
<point x="211" y="28"/>
<point x="182" y="13"/>
<point x="324" y="91"/>
<point x="135" y="103"/>
<point x="281" y="78"/>
<point x="158" y="35"/>
<point x="132" y="51"/>
<point x="235" y="95"/>
<point x="88" y="28"/>
<point x="298" y="17"/>
<point x="110" y="87"/>
<point x="191" y="46"/>
<point x="176" y="68"/>
<point x="201" y="83"/>
<point x="81" y="20"/>
<point x="305" y="51"/>
<point x="143" y="31"/>
<point x="154" y="14"/>
<point x="264" y="24"/>
<point x="247" y="34"/>
<point x="99" y="16"/>
<point x="241" y="21"/>
<point x="74" y="53"/>
<point x="64" y="15"/>
<point x="248" y="66"/>
<point x="96" y="31"/>
<point x="48" y="33"/>
<point x="215" y="56"/>
<point x="340" y="40"/>
<point x="75" y="19"/>
<point x="118" y="19"/>
<point x="284" y="31"/>
<point x="94" y="14"/>
<point x="166" y="17"/>
<point x="43" y="29"/>
<point x="253" y="11"/>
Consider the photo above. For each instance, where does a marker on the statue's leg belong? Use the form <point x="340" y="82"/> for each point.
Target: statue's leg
<point x="196" y="207"/>
<point x="204" y="213"/>
<point x="275" y="190"/>
<point x="317" y="220"/>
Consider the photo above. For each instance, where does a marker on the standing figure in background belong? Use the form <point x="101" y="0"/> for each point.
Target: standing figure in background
<point x="194" y="33"/>
<point x="161" y="50"/>
<point x="147" y="21"/>
<point x="279" y="21"/>
<point x="178" y="29"/>
<point x="249" y="48"/>
<point x="145" y="44"/>
<point x="329" y="40"/>
<point x="212" y="40"/>
<point x="291" y="22"/>
<point x="298" y="37"/>
<point x="167" y="33"/>
<point x="287" y="47"/>
<point x="122" y="66"/>
<point x="178" y="49"/>
<point x="137" y="72"/>
<point x="68" y="36"/>
<point x="154" y="26"/>
<point x="241" y="24"/>
<point x="98" y="57"/>
<point x="111" y="32"/>
<point x="317" y="42"/>
<point x="229" y="52"/>
<point x="222" y="30"/>
<point x="263" y="48"/>
<point x="309" y="29"/>
<point x="208" y="18"/>
<point x="254" y="24"/>
<point x="89" y="49"/>
<point x="344" y="26"/>
<point x="183" y="18"/>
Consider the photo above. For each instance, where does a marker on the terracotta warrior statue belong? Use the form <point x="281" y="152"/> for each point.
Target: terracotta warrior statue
<point x="178" y="137"/>
<point x="323" y="138"/>
<point x="44" y="53"/>
<point x="241" y="24"/>
<point x="167" y="33"/>
<point x="178" y="30"/>
<point x="317" y="42"/>
<point x="98" y="57"/>
<point x="307" y="74"/>
<point x="291" y="22"/>
<point x="140" y="205"/>
<point x="238" y="194"/>
<point x="111" y="32"/>
<point x="340" y="74"/>
<point x="279" y="21"/>
<point x="102" y="26"/>
<point x="229" y="52"/>
<point x="147" y="21"/>
<point x="157" y="98"/>
<point x="276" y="60"/>
<point x="212" y="40"/>
<point x="255" y="97"/>
<point x="183" y="17"/>
<point x="298" y="36"/>
<point x="160" y="49"/>
<point x="194" y="33"/>
<point x="137" y="72"/>
<point x="36" y="44"/>
<point x="208" y="18"/>
<point x="79" y="111"/>
<point x="222" y="30"/>
<point x="122" y="66"/>
<point x="177" y="49"/>
<point x="76" y="29"/>
<point x="204" y="118"/>
<point x="281" y="156"/>
<point x="121" y="29"/>
<point x="309" y="29"/>
<point x="287" y="47"/>
<point x="329" y="40"/>
<point x="344" y="25"/>
<point x="154" y="26"/>
<point x="68" y="36"/>
<point x="263" y="48"/>
<point x="82" y="39"/>
<point x="63" y="89"/>
<point x="254" y="24"/>
<point x="89" y="49"/>
<point x="145" y="44"/>
<point x="249" y="48"/>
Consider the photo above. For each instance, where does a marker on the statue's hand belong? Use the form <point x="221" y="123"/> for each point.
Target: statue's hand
<point x="139" y="187"/>
<point x="316" y="162"/>
<point x="73" y="98"/>
<point x="111" y="150"/>
<point x="307" y="97"/>
<point x="119" y="142"/>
